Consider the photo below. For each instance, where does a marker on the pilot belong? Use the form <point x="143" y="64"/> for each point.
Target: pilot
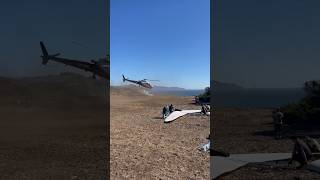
<point x="204" y="109"/>
<point x="164" y="112"/>
<point x="278" y="123"/>
<point x="171" y="108"/>
<point x="167" y="112"/>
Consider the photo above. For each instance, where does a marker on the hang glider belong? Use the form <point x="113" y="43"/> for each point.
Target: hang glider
<point x="176" y="114"/>
<point x="99" y="67"/>
<point x="314" y="166"/>
<point x="222" y="165"/>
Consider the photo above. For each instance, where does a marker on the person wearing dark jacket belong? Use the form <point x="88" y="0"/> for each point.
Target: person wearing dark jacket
<point x="278" y="123"/>
<point x="165" y="111"/>
<point x="171" y="108"/>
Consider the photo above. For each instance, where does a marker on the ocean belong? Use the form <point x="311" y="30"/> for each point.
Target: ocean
<point x="257" y="98"/>
<point x="248" y="98"/>
<point x="180" y="93"/>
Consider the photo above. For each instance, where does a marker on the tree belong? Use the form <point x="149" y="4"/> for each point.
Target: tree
<point x="312" y="89"/>
<point x="308" y="108"/>
<point x="204" y="97"/>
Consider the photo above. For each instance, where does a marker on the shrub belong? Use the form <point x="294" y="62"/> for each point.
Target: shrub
<point x="306" y="110"/>
<point x="204" y="97"/>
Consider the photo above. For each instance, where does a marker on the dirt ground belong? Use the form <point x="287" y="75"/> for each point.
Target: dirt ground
<point x="52" y="128"/>
<point x="243" y="130"/>
<point x="143" y="147"/>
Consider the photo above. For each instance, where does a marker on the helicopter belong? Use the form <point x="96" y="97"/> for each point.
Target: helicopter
<point x="141" y="83"/>
<point x="97" y="67"/>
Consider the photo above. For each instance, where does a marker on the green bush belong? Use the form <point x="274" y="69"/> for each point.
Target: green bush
<point x="204" y="97"/>
<point x="307" y="109"/>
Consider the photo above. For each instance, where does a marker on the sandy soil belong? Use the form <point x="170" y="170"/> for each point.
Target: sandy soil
<point x="48" y="133"/>
<point x="143" y="147"/>
<point x="241" y="130"/>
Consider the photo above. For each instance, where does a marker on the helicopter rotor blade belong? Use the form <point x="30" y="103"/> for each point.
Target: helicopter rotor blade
<point x="150" y="79"/>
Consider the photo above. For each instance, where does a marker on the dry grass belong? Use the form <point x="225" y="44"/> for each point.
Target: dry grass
<point x="48" y="133"/>
<point x="143" y="147"/>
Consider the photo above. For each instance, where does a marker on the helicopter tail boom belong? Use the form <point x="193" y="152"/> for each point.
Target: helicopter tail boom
<point x="45" y="56"/>
<point x="123" y="78"/>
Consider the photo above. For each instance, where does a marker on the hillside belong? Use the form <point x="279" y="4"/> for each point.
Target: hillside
<point x="221" y="86"/>
<point x="53" y="126"/>
<point x="130" y="90"/>
<point x="67" y="88"/>
<point x="164" y="88"/>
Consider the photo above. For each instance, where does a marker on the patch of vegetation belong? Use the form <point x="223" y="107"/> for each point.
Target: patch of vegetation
<point x="204" y="97"/>
<point x="307" y="110"/>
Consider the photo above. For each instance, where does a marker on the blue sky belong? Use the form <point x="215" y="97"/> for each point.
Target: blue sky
<point x="167" y="40"/>
<point x="271" y="43"/>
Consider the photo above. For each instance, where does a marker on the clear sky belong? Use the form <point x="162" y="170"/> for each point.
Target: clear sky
<point x="58" y="23"/>
<point x="266" y="43"/>
<point x="167" y="40"/>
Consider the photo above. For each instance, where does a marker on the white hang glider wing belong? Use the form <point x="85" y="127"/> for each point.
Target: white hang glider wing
<point x="176" y="114"/>
<point x="221" y="165"/>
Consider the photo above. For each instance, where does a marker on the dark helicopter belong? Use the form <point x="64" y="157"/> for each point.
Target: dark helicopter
<point x="99" y="67"/>
<point x="141" y="83"/>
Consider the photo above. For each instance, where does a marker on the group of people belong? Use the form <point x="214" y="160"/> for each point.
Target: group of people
<point x="304" y="148"/>
<point x="205" y="108"/>
<point x="168" y="110"/>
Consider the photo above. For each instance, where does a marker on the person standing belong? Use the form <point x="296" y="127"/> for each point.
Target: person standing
<point x="165" y="111"/>
<point x="204" y="109"/>
<point x="171" y="108"/>
<point x="278" y="123"/>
